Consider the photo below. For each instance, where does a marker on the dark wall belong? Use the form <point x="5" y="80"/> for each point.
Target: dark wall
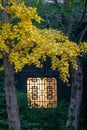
<point x="45" y="71"/>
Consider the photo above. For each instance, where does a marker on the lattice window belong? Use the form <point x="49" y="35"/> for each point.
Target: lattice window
<point x="42" y="92"/>
<point x="49" y="92"/>
<point x="34" y="92"/>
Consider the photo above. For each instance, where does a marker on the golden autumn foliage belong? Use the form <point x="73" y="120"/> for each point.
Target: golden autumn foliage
<point x="26" y="44"/>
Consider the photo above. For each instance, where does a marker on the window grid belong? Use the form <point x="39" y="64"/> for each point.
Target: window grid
<point x="42" y="92"/>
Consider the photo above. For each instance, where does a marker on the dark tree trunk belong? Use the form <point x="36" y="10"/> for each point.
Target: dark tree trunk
<point x="76" y="85"/>
<point x="11" y="99"/>
<point x="76" y="98"/>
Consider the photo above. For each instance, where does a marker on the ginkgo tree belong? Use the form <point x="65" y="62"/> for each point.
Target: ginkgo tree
<point x="22" y="43"/>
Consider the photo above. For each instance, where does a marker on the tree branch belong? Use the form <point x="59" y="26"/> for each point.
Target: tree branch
<point x="82" y="35"/>
<point x="83" y="14"/>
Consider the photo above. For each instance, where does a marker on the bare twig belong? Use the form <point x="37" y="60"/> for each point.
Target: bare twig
<point x="83" y="14"/>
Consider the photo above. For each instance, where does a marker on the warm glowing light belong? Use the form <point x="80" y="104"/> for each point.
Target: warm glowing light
<point x="42" y="92"/>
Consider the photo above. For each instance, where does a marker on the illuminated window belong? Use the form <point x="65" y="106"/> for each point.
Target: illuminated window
<point x="42" y="92"/>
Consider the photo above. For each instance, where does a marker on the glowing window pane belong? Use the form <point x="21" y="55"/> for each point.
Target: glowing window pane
<point x="34" y="92"/>
<point x="49" y="92"/>
<point x="42" y="92"/>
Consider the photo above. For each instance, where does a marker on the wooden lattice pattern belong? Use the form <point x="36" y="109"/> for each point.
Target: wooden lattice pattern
<point x="42" y="92"/>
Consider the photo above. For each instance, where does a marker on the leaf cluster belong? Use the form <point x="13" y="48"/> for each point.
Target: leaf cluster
<point x="24" y="43"/>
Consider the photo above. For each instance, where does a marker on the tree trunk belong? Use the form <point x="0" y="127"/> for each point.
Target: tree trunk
<point x="11" y="99"/>
<point x="76" y="98"/>
<point x="76" y="85"/>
